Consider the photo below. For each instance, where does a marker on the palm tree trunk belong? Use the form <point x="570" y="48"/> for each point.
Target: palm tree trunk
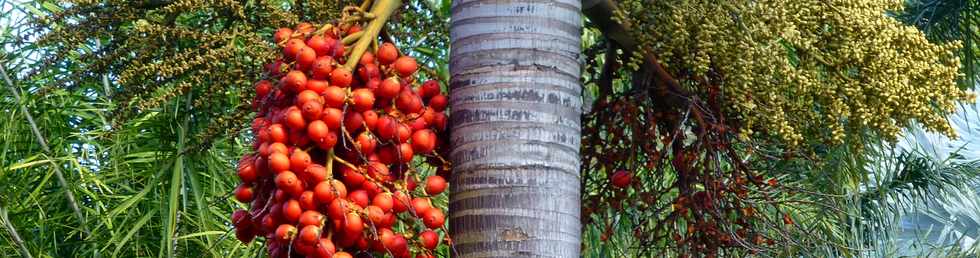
<point x="516" y="107"/>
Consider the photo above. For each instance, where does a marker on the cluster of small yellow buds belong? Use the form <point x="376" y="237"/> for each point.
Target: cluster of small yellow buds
<point x="791" y="67"/>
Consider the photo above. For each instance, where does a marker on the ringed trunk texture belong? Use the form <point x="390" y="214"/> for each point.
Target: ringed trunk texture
<point x="516" y="107"/>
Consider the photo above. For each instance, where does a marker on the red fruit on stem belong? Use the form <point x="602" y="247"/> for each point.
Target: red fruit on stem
<point x="405" y="66"/>
<point x="309" y="234"/>
<point x="240" y="218"/>
<point x="247" y="173"/>
<point x="312" y="218"/>
<point x="322" y="67"/>
<point x="429" y="88"/>
<point x="305" y="58"/>
<point x="408" y="103"/>
<point x="307" y="95"/>
<point x="312" y="110"/>
<point x="305" y="27"/>
<point x="285" y="232"/>
<point x="245" y="235"/>
<point x="353" y="121"/>
<point x="435" y="185"/>
<point x="366" y="142"/>
<point x="324" y="192"/>
<point x="385" y="201"/>
<point x="353" y="223"/>
<point x="291" y="48"/>
<point x="359" y="197"/>
<point x="317" y="131"/>
<point x="621" y="179"/>
<point x="318" y="44"/>
<point x="370" y="119"/>
<point x="387" y="53"/>
<point x="277" y="133"/>
<point x="405" y="152"/>
<point x="299" y="160"/>
<point x="294" y="81"/>
<point x="315" y="174"/>
<point x="401" y="202"/>
<point x="244" y="193"/>
<point x="325" y="248"/>
<point x="369" y="72"/>
<point x="375" y="214"/>
<point x="334" y="97"/>
<point x="389" y="88"/>
<point x="341" y="77"/>
<point x="429" y="239"/>
<point x="281" y="35"/>
<point x="421" y="205"/>
<point x="433" y="218"/>
<point x="306" y="201"/>
<point x="294" y="118"/>
<point x="291" y="210"/>
<point x="403" y="133"/>
<point x="262" y="88"/>
<point x="438" y="102"/>
<point x="278" y="162"/>
<point x="289" y="183"/>
<point x="363" y="99"/>
<point x="332" y="117"/>
<point x="423" y="141"/>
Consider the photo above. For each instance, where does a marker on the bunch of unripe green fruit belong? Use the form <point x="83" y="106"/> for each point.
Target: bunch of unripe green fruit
<point x="332" y="171"/>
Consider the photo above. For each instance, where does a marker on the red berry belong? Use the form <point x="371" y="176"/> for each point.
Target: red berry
<point x="621" y="179"/>
<point x="405" y="66"/>
<point x="319" y="44"/>
<point x="292" y="48"/>
<point x="363" y="99"/>
<point x="294" y="81"/>
<point x="262" y="88"/>
<point x="435" y="185"/>
<point x="389" y="88"/>
<point x="433" y="218"/>
<point x="312" y="218"/>
<point x="244" y="193"/>
<point x="305" y="58"/>
<point x="322" y="67"/>
<point x="324" y="192"/>
<point x="306" y="201"/>
<point x="429" y="239"/>
<point x="341" y="77"/>
<point x="438" y="102"/>
<point x="423" y="141"/>
<point x="291" y="210"/>
<point x="331" y="117"/>
<point x="387" y="53"/>
<point x="285" y="232"/>
<point x="429" y="88"/>
<point x="299" y="160"/>
<point x="309" y="234"/>
<point x="282" y="34"/>
<point x="334" y="97"/>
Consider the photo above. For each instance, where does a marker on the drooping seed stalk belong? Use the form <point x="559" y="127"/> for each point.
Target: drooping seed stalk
<point x="13" y="233"/>
<point x="382" y="9"/>
<point x="47" y="151"/>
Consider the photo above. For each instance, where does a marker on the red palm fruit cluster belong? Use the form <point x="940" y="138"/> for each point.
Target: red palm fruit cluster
<point x="330" y="172"/>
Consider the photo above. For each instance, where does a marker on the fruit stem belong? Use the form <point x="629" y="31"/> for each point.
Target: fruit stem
<point x="348" y="164"/>
<point x="353" y="37"/>
<point x="383" y="10"/>
<point x="330" y="156"/>
<point x="365" y="4"/>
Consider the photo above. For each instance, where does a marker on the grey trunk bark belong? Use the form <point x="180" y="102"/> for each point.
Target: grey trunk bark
<point x="516" y="104"/>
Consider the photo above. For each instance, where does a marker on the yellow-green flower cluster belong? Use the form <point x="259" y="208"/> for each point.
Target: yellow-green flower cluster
<point x="805" y="70"/>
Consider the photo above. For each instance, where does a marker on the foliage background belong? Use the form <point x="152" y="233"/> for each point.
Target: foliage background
<point x="149" y="158"/>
